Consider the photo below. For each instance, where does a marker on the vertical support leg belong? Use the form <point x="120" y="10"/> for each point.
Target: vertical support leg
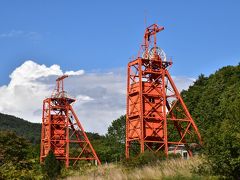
<point x="141" y="106"/>
<point x="164" y="114"/>
<point x="127" y="144"/>
<point x="142" y="146"/>
<point x="49" y="125"/>
<point x="67" y="137"/>
<point x="127" y="149"/>
<point x="42" y="132"/>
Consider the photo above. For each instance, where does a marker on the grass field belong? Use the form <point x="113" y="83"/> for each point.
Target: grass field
<point x="169" y="169"/>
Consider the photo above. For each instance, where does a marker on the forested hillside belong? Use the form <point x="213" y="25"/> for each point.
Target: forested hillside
<point x="21" y="127"/>
<point x="28" y="130"/>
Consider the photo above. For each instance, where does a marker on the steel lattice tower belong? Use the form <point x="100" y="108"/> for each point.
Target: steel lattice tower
<point x="156" y="115"/>
<point x="62" y="131"/>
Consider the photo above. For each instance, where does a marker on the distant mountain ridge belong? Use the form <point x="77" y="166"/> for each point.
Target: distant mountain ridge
<point x="28" y="130"/>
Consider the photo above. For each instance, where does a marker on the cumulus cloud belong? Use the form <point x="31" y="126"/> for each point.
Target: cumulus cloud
<point x="101" y="97"/>
<point x="26" y="90"/>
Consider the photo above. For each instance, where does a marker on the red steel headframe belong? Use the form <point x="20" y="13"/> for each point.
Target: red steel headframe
<point x="62" y="131"/>
<point x="156" y="115"/>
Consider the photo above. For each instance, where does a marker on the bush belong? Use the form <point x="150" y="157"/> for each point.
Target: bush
<point x="13" y="148"/>
<point x="51" y="167"/>
<point x="143" y="159"/>
<point x="16" y="158"/>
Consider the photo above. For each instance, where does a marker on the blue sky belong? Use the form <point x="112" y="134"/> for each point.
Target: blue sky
<point x="201" y="36"/>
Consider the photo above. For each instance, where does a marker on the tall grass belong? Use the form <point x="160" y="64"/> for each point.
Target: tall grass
<point x="168" y="169"/>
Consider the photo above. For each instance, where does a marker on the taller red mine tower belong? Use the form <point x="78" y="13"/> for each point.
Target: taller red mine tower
<point x="156" y="117"/>
<point x="62" y="131"/>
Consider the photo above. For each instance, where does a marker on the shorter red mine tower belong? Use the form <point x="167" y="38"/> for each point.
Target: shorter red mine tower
<point x="62" y="132"/>
<point x="157" y="119"/>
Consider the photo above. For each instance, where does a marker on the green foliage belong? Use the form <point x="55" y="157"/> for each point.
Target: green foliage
<point x="214" y="103"/>
<point x="51" y="167"/>
<point x="115" y="138"/>
<point x="111" y="148"/>
<point x="143" y="159"/>
<point x="222" y="145"/>
<point x="12" y="148"/>
<point x="16" y="159"/>
<point x="116" y="131"/>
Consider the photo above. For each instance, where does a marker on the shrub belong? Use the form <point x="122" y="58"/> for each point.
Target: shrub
<point x="51" y="167"/>
<point x="143" y="159"/>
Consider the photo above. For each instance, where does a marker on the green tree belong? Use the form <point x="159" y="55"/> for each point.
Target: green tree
<point x="111" y="147"/>
<point x="16" y="158"/>
<point x="13" y="148"/>
<point x="222" y="142"/>
<point x="115" y="139"/>
<point x="214" y="103"/>
<point x="51" y="167"/>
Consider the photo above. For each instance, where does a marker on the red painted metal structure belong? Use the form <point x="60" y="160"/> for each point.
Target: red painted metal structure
<point x="156" y="115"/>
<point x="62" y="131"/>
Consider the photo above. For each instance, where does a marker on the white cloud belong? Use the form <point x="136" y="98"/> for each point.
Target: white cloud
<point x="27" y="88"/>
<point x="79" y="72"/>
<point x="12" y="33"/>
<point x="100" y="96"/>
<point x="183" y="82"/>
<point x="29" y="71"/>
<point x="19" y="33"/>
